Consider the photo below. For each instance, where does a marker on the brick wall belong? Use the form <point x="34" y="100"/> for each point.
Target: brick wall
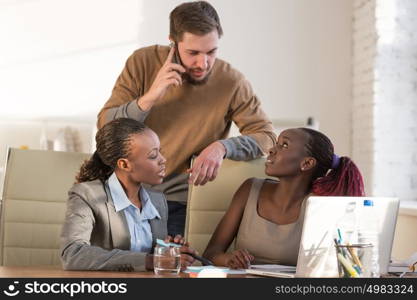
<point x="385" y="96"/>
<point x="364" y="52"/>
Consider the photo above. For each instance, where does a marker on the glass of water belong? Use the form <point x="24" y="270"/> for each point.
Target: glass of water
<point x="166" y="260"/>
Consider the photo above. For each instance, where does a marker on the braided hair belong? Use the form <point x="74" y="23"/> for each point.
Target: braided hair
<point x="333" y="175"/>
<point x="112" y="143"/>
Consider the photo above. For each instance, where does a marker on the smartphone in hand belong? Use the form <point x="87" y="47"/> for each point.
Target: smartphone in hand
<point x="176" y="59"/>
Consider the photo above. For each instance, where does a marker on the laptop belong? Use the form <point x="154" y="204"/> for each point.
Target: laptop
<point x="317" y="254"/>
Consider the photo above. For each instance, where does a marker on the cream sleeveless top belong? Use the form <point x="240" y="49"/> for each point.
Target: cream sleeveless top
<point x="268" y="242"/>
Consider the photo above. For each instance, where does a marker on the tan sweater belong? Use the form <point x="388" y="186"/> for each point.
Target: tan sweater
<point x="190" y="117"/>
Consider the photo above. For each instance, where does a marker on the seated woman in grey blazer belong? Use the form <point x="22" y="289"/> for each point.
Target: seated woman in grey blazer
<point x="112" y="221"/>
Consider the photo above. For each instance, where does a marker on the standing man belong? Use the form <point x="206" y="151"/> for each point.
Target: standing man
<point x="189" y="98"/>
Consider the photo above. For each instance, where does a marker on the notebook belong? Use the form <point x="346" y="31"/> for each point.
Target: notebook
<point x="317" y="255"/>
<point x="272" y="270"/>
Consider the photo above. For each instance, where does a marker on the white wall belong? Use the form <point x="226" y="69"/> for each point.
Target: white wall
<point x="385" y="92"/>
<point x="61" y="58"/>
<point x="395" y="100"/>
<point x="364" y="51"/>
<point x="385" y="106"/>
<point x="58" y="63"/>
<point x="296" y="54"/>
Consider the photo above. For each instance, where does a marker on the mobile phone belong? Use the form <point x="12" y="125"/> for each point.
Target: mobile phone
<point x="176" y="59"/>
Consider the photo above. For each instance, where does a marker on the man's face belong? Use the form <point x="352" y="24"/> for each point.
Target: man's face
<point x="198" y="54"/>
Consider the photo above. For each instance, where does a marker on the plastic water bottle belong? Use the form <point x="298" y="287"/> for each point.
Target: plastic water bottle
<point x="368" y="233"/>
<point x="347" y="224"/>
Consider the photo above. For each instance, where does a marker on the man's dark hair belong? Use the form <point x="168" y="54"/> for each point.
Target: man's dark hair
<point x="197" y="18"/>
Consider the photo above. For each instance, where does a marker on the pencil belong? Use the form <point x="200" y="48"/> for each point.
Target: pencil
<point x="354" y="256"/>
<point x="352" y="272"/>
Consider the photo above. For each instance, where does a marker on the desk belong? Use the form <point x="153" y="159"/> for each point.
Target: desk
<point x="57" y="272"/>
<point x="53" y="281"/>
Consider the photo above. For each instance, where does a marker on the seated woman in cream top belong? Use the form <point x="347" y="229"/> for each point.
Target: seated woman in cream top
<point x="266" y="216"/>
<point x="112" y="221"/>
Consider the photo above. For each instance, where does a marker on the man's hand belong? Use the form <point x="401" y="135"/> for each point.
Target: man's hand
<point x="167" y="76"/>
<point x="207" y="164"/>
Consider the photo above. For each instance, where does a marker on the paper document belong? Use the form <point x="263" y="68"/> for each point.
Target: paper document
<point x="197" y="269"/>
<point x="277" y="268"/>
<point x="272" y="270"/>
<point x="404" y="265"/>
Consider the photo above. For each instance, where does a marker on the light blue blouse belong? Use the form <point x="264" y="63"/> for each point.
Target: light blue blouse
<point x="138" y="221"/>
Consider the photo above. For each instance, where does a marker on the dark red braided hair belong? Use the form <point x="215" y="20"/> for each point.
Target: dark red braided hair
<point x="345" y="179"/>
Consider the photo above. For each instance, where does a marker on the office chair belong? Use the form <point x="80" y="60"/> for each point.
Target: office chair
<point x="33" y="205"/>
<point x="207" y="204"/>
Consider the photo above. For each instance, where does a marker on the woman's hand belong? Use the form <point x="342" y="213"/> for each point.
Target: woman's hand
<point x="239" y="259"/>
<point x="186" y="260"/>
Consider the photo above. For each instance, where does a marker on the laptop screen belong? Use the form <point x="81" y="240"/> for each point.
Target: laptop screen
<point x="317" y="254"/>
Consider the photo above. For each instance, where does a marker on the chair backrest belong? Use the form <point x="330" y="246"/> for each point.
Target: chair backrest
<point x="35" y="190"/>
<point x="207" y="204"/>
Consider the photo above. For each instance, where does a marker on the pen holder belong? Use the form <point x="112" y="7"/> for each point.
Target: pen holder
<point x="354" y="260"/>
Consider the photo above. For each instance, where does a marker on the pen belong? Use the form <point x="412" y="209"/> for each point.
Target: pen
<point x="165" y="244"/>
<point x="341" y="249"/>
<point x="203" y="260"/>
<point x="340" y="235"/>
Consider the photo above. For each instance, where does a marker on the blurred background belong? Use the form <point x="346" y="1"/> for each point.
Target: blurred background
<point x="350" y="65"/>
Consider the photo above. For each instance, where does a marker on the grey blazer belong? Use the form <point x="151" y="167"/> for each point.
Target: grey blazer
<point x="96" y="237"/>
